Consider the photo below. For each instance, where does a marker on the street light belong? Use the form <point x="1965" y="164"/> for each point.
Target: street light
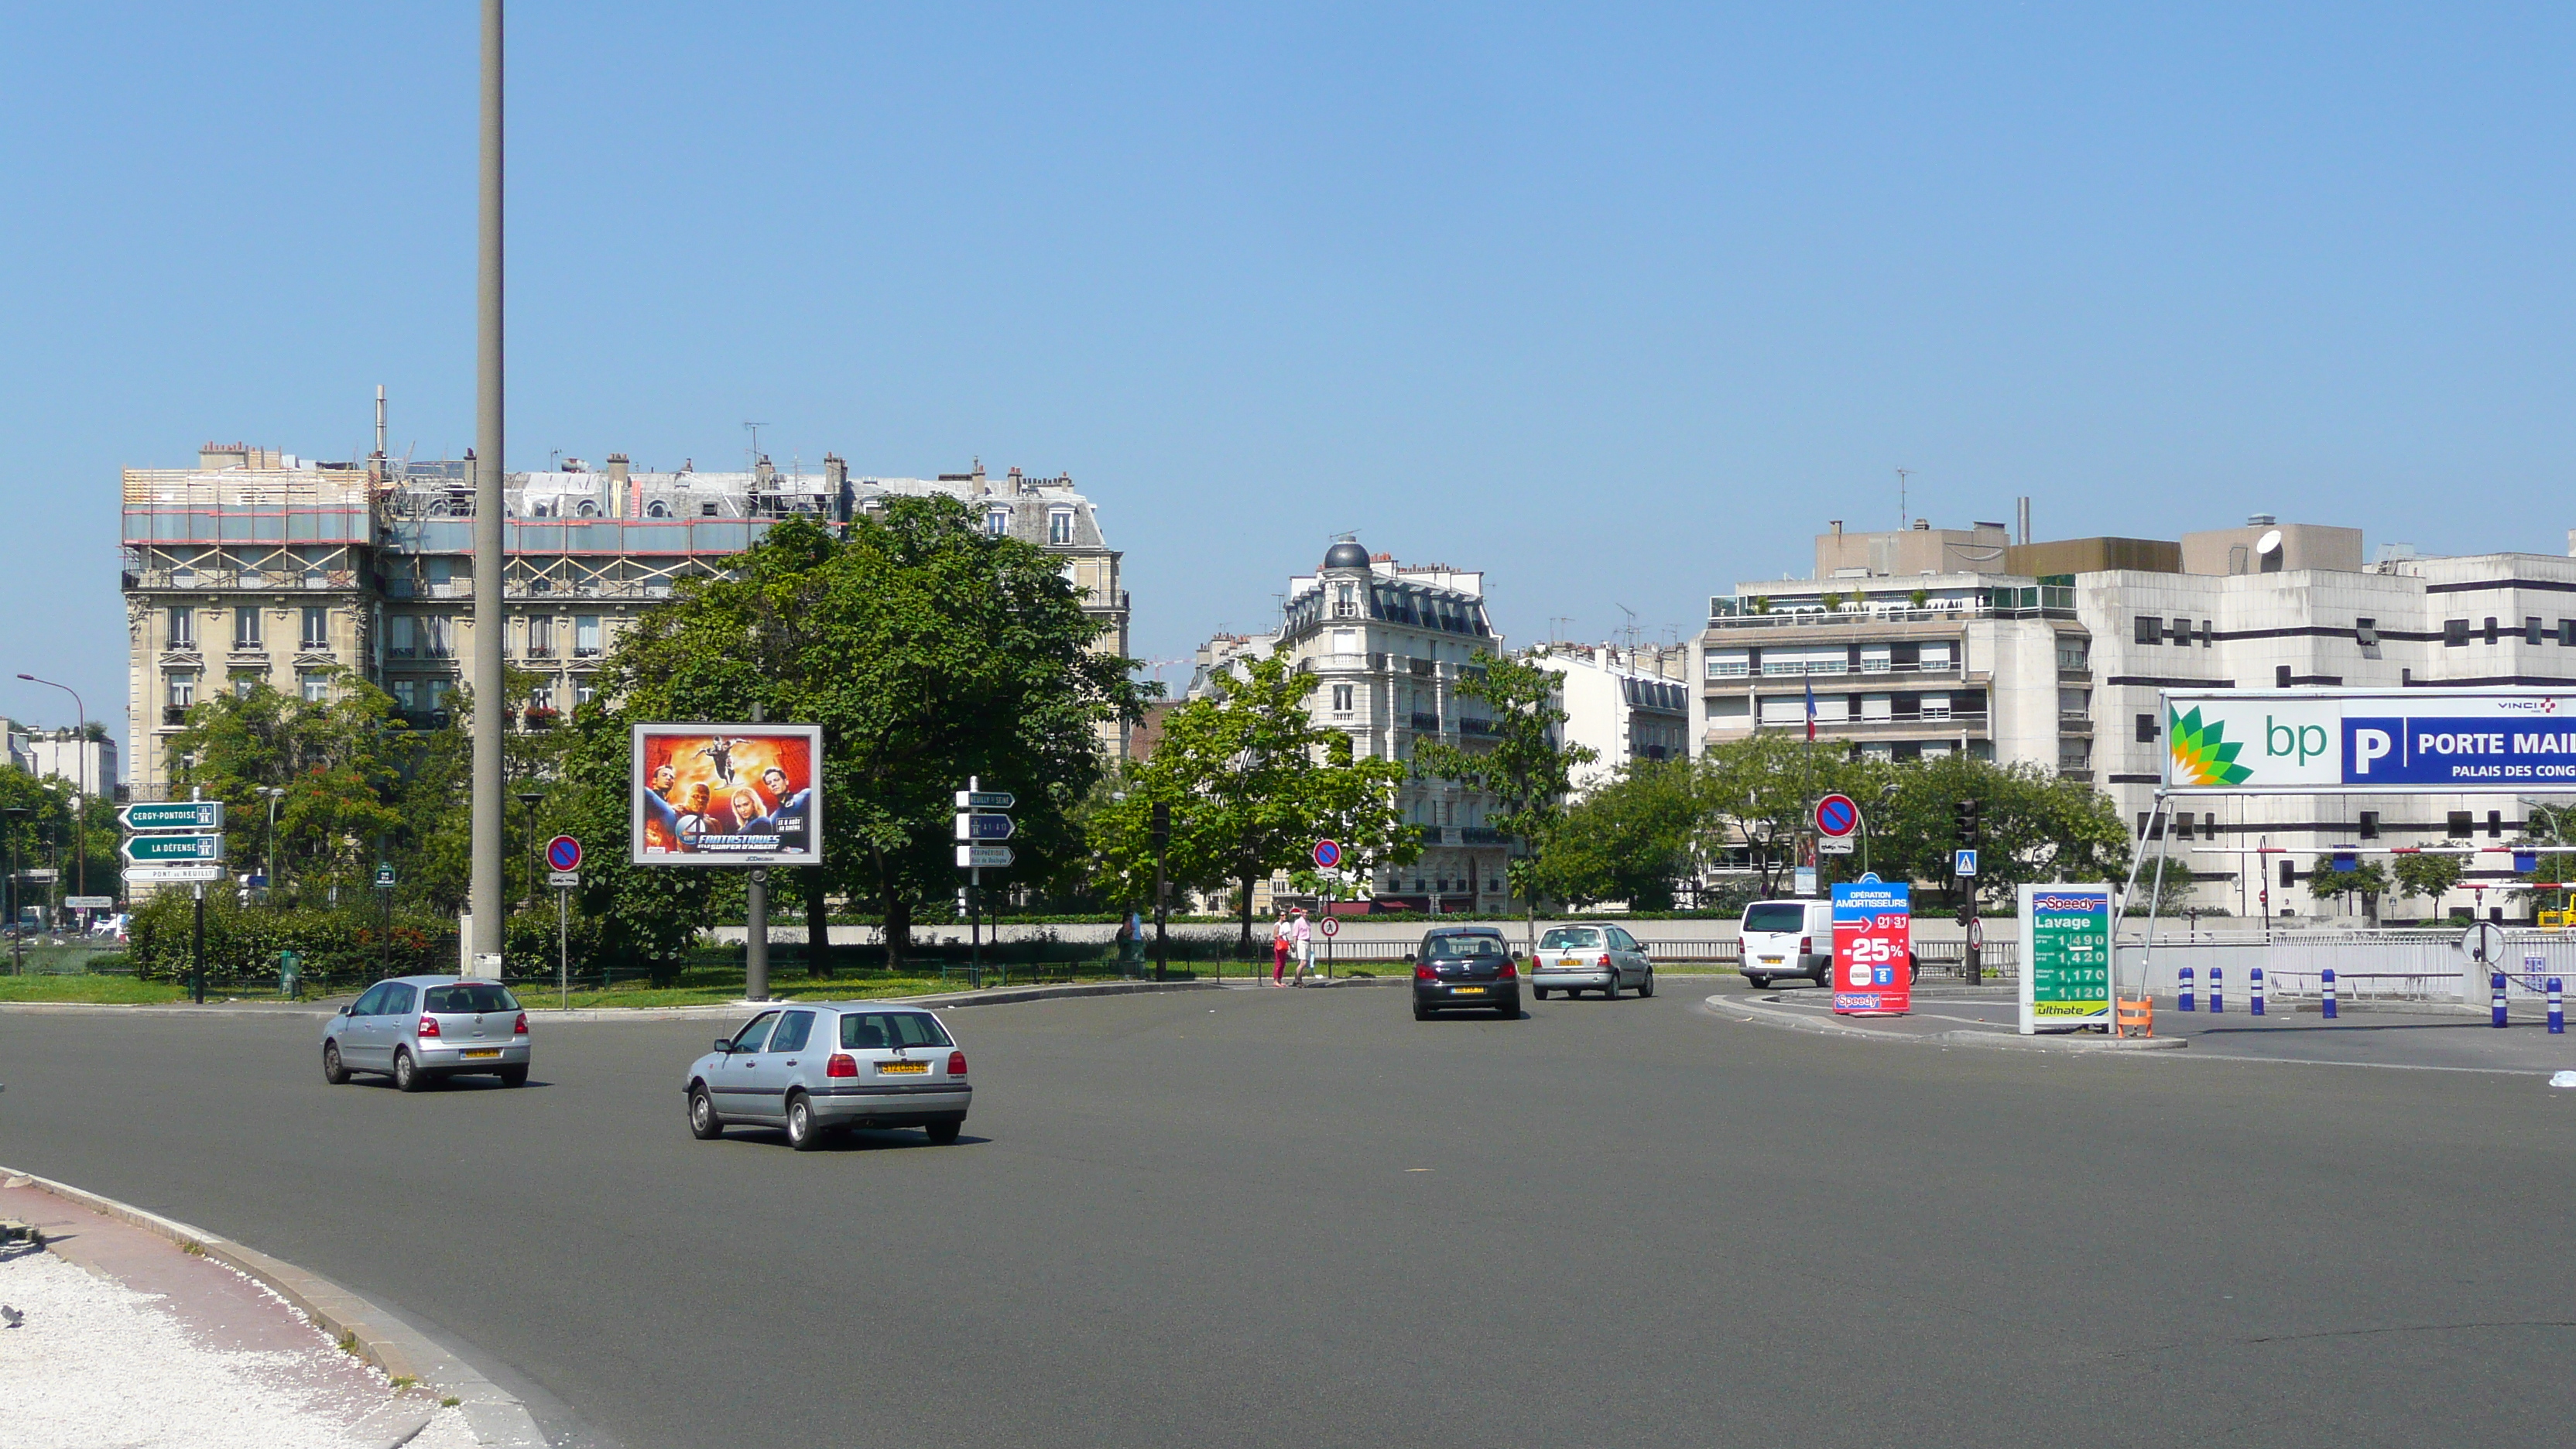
<point x="80" y="782"/>
<point x="274" y="793"/>
<point x="532" y="799"/>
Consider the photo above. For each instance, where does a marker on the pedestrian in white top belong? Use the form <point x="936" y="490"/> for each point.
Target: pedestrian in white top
<point x="1302" y="935"/>
<point x="1279" y="943"/>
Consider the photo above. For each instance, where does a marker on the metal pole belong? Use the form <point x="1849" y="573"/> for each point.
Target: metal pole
<point x="975" y="927"/>
<point x="490" y="627"/>
<point x="1162" y="921"/>
<point x="563" y="942"/>
<point x="197" y="957"/>
<point x="755" y="944"/>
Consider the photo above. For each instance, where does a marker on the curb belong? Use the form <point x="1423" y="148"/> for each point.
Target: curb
<point x="1764" y="1013"/>
<point x="538" y="1015"/>
<point x="497" y="1417"/>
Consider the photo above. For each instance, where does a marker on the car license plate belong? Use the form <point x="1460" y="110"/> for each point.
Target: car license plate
<point x="902" y="1069"/>
<point x="1466" y="991"/>
<point x="480" y="1052"/>
<point x="1770" y="960"/>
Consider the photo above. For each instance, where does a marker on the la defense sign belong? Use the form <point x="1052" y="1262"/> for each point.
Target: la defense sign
<point x="2317" y="741"/>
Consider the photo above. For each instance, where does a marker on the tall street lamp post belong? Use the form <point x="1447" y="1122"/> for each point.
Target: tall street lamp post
<point x="80" y="783"/>
<point x="491" y="628"/>
<point x="532" y="799"/>
<point x="269" y="859"/>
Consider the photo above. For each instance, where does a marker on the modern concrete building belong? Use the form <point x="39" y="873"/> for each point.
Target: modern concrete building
<point x="2064" y="669"/>
<point x="259" y="567"/>
<point x="1390" y="643"/>
<point x="88" y="765"/>
<point x="1625" y="704"/>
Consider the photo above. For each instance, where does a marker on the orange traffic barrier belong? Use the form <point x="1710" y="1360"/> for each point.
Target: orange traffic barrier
<point x="2137" y="1018"/>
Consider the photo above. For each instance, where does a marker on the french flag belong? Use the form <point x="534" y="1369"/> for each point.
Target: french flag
<point x="1811" y="711"/>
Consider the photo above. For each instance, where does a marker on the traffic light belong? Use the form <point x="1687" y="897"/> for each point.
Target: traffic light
<point x="1968" y="908"/>
<point x="1162" y="827"/>
<point x="1967" y="810"/>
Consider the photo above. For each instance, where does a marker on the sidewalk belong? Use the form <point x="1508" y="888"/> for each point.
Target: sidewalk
<point x="128" y="1339"/>
<point x="2408" y="1036"/>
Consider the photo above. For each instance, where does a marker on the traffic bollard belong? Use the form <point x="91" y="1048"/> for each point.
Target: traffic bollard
<point x="2182" y="989"/>
<point x="2256" y="991"/>
<point x="2217" y="991"/>
<point x="2495" y="1002"/>
<point x="2325" y="979"/>
<point x="2557" y="1010"/>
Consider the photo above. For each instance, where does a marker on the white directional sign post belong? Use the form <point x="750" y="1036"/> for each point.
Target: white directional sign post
<point x="177" y="842"/>
<point x="981" y="819"/>
<point x="172" y="815"/>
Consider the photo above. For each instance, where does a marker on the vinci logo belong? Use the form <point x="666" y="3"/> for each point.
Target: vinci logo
<point x="2202" y="753"/>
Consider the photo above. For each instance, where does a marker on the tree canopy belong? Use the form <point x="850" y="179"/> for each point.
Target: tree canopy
<point x="1526" y="766"/>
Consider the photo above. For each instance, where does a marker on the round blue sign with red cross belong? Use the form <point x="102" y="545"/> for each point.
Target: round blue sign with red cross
<point x="1328" y="854"/>
<point x="563" y="853"/>
<point x="1837" y="816"/>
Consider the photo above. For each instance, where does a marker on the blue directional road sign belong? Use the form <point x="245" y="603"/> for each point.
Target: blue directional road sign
<point x="1963" y="862"/>
<point x="984" y="827"/>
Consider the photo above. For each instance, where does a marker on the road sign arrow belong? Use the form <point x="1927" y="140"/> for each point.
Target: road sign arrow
<point x="986" y="799"/>
<point x="172" y="815"/>
<point x="172" y="849"/>
<point x="167" y="874"/>
<point x="984" y="827"/>
<point x="983" y="857"/>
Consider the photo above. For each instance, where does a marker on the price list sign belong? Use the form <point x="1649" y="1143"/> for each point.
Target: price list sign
<point x="2066" y="955"/>
<point x="1873" y="948"/>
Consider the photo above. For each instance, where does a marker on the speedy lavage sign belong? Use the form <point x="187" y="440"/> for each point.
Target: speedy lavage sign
<point x="2066" y="955"/>
<point x="2322" y="741"/>
<point x="1873" y="947"/>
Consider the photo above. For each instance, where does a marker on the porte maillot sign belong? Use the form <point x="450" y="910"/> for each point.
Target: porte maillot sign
<point x="2312" y="741"/>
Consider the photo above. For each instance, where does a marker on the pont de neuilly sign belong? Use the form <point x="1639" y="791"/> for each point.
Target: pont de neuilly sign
<point x="2398" y="741"/>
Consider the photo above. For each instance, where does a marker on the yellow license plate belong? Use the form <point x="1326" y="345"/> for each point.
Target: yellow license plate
<point x="489" y="1052"/>
<point x="1466" y="991"/>
<point x="1770" y="960"/>
<point x="902" y="1069"/>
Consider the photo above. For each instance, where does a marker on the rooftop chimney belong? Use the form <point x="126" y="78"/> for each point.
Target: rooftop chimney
<point x="1837" y="526"/>
<point x="2021" y="520"/>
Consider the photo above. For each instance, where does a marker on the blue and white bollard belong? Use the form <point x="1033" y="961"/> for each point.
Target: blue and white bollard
<point x="2217" y="991"/>
<point x="2256" y="990"/>
<point x="2325" y="979"/>
<point x="2495" y="1002"/>
<point x="2557" y="1010"/>
<point x="2182" y="989"/>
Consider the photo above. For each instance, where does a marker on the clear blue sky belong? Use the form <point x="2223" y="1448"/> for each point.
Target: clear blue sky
<point x="1619" y="304"/>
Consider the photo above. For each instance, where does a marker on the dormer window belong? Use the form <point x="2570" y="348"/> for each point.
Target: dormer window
<point x="1060" y="526"/>
<point x="997" y="521"/>
<point x="657" y="509"/>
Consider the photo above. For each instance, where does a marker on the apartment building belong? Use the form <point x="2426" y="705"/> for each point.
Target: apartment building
<point x="2057" y="657"/>
<point x="260" y="567"/>
<point x="1390" y="644"/>
<point x="1625" y="705"/>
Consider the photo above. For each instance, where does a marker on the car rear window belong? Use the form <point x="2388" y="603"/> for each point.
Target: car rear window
<point x="1775" y="916"/>
<point x="475" y="996"/>
<point x="881" y="1029"/>
<point x="1570" y="936"/>
<point x="1462" y="945"/>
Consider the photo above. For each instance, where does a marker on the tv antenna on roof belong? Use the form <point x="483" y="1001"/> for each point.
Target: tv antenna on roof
<point x="755" y="443"/>
<point x="1901" y="475"/>
<point x="1631" y="630"/>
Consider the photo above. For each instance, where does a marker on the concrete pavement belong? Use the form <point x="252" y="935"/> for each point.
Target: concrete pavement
<point x="1302" y="1218"/>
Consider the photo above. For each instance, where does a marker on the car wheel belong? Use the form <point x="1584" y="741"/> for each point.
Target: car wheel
<point x="801" y="1132"/>
<point x="514" y="1076"/>
<point x="1421" y="1012"/>
<point x="704" y="1124"/>
<point x="407" y="1073"/>
<point x="1538" y="993"/>
<point x="1647" y="986"/>
<point x="1611" y="991"/>
<point x="334" y="1070"/>
<point x="1509" y="1009"/>
<point x="1758" y="983"/>
<point x="943" y="1133"/>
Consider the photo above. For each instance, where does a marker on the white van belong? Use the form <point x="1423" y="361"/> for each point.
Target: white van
<point x="1788" y="938"/>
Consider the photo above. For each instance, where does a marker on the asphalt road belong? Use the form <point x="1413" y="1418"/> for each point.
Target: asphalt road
<point x="1300" y="1218"/>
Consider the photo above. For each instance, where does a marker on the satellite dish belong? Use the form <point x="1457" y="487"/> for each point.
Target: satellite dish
<point x="2268" y="542"/>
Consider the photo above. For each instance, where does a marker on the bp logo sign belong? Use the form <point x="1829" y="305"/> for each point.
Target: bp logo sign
<point x="2367" y="740"/>
<point x="2202" y="753"/>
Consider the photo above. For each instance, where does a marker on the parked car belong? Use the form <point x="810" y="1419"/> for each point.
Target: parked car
<point x="1466" y="966"/>
<point x="819" y="1068"/>
<point x="1788" y="938"/>
<point x="1590" y="958"/>
<point x="421" y="1029"/>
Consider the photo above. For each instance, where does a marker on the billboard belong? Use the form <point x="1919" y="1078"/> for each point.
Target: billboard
<point x="2066" y="955"/>
<point x="1873" y="947"/>
<point x="726" y="794"/>
<point x="2399" y="741"/>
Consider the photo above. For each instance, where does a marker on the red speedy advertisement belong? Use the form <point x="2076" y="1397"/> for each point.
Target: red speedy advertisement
<point x="1873" y="948"/>
<point x="727" y="794"/>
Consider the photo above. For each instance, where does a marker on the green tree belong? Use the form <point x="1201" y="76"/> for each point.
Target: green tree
<point x="1630" y="839"/>
<point x="1252" y="782"/>
<point x="339" y="763"/>
<point x="927" y="649"/>
<point x="2033" y="827"/>
<point x="2325" y="882"/>
<point x="2425" y="874"/>
<point x="1527" y="768"/>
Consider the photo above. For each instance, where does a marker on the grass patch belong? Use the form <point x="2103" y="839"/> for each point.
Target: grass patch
<point x="104" y="990"/>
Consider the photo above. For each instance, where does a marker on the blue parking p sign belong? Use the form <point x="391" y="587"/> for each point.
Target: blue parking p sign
<point x="1963" y="862"/>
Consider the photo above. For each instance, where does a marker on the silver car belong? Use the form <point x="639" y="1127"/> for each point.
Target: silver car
<point x="822" y="1067"/>
<point x="1590" y="958"/>
<point x="418" y="1029"/>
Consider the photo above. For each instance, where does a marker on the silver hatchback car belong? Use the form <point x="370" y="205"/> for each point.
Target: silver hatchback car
<point x="418" y="1029"/>
<point x="821" y="1067"/>
<point x="1590" y="958"/>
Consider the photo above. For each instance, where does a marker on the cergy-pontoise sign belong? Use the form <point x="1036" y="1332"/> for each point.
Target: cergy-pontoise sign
<point x="2312" y="741"/>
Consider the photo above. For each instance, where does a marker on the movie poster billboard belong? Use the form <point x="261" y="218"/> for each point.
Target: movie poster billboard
<point x="727" y="794"/>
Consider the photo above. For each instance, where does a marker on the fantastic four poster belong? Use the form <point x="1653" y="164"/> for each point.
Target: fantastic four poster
<point x="727" y="794"/>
